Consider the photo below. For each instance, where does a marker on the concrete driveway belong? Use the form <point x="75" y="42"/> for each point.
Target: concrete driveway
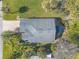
<point x="10" y="25"/>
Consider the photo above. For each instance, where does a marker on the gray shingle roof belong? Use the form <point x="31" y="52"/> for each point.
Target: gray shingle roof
<point x="38" y="30"/>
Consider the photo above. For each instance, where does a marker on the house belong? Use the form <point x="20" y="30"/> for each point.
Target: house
<point x="38" y="30"/>
<point x="49" y="56"/>
<point x="44" y="30"/>
<point x="35" y="57"/>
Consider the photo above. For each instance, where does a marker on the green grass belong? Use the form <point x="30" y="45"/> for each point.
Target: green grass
<point x="35" y="9"/>
<point x="7" y="51"/>
<point x="76" y="56"/>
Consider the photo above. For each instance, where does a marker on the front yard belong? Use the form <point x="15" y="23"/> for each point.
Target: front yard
<point x="34" y="9"/>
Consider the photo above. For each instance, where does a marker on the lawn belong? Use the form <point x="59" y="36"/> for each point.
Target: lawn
<point x="76" y="56"/>
<point x="35" y="9"/>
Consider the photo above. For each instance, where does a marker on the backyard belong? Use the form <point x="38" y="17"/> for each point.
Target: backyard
<point x="11" y="9"/>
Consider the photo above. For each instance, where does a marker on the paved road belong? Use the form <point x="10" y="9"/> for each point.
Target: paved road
<point x="1" y="42"/>
<point x="1" y="39"/>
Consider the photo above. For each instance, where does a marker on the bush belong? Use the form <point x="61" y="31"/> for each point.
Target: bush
<point x="23" y="9"/>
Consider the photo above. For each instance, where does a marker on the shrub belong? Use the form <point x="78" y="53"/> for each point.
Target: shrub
<point x="23" y="9"/>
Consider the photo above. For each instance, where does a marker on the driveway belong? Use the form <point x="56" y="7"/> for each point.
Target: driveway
<point x="10" y="25"/>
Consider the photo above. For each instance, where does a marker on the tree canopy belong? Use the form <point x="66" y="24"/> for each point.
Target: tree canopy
<point x="73" y="33"/>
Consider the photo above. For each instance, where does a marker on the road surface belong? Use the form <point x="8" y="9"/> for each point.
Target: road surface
<point x="1" y="42"/>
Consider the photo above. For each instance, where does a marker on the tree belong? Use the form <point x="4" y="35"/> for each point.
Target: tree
<point x="53" y="48"/>
<point x="15" y="55"/>
<point x="7" y="35"/>
<point x="72" y="6"/>
<point x="50" y="5"/>
<point x="41" y="52"/>
<point x="73" y="33"/>
<point x="10" y="43"/>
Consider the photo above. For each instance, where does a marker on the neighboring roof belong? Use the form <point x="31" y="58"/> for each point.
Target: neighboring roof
<point x="35" y="57"/>
<point x="38" y="30"/>
<point x="49" y="56"/>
